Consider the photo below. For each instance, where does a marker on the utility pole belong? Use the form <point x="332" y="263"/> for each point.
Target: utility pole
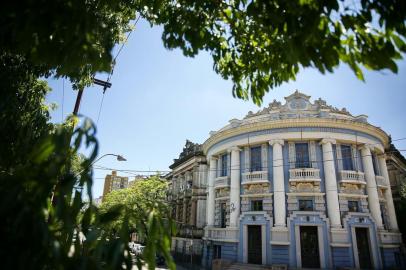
<point x="105" y="84"/>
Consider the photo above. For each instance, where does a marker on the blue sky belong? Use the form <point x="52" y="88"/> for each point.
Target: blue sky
<point x="159" y="98"/>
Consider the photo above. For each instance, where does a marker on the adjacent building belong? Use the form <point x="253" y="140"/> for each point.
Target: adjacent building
<point x="301" y="184"/>
<point x="114" y="182"/>
<point x="187" y="194"/>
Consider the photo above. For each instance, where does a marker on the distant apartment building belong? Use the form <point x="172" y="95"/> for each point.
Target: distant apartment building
<point x="114" y="182"/>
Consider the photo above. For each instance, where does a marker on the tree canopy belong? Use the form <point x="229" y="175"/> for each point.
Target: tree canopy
<point x="143" y="206"/>
<point x="257" y="44"/>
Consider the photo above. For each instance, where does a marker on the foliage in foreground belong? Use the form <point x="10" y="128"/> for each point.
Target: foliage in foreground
<point x="257" y="44"/>
<point x="144" y="207"/>
<point x="43" y="180"/>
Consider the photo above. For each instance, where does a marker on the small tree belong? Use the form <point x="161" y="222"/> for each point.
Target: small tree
<point x="144" y="207"/>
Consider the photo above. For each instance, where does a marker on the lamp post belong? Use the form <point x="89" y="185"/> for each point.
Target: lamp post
<point x="119" y="158"/>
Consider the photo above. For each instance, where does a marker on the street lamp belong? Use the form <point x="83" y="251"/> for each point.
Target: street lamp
<point x="119" y="158"/>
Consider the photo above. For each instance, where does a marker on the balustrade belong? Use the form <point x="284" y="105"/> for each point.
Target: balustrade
<point x="222" y="233"/>
<point x="254" y="177"/>
<point x="380" y="181"/>
<point x="223" y="181"/>
<point x="304" y="174"/>
<point x="352" y="176"/>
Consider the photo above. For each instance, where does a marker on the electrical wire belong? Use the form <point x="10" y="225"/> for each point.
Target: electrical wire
<point x="113" y="66"/>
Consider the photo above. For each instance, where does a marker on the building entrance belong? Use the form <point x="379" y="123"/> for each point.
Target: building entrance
<point x="254" y="244"/>
<point x="309" y="247"/>
<point x="364" y="256"/>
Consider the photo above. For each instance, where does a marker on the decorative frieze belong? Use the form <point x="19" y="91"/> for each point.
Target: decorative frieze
<point x="256" y="188"/>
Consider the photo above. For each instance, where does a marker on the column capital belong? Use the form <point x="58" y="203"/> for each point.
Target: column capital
<point x="328" y="140"/>
<point x="276" y="141"/>
<point x="367" y="147"/>
<point x="233" y="148"/>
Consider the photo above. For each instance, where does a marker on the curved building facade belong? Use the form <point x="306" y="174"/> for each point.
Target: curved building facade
<point x="301" y="184"/>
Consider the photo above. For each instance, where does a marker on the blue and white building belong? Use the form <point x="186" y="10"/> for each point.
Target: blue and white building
<point x="300" y="184"/>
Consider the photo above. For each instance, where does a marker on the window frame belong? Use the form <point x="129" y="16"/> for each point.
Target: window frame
<point x="224" y="165"/>
<point x="302" y="161"/>
<point x="223" y="215"/>
<point x="346" y="157"/>
<point x="255" y="203"/>
<point x="256" y="165"/>
<point x="357" y="206"/>
<point x="216" y="251"/>
<point x="306" y="200"/>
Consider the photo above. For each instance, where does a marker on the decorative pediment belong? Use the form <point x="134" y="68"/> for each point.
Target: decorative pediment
<point x="298" y="101"/>
<point x="188" y="149"/>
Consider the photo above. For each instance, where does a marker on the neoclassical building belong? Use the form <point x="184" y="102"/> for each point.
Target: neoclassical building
<point x="187" y="195"/>
<point x="301" y="184"/>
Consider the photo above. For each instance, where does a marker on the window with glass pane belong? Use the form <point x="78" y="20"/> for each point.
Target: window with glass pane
<point x="346" y="156"/>
<point x="306" y="205"/>
<point x="353" y="206"/>
<point x="216" y="251"/>
<point x="256" y="159"/>
<point x="256" y="205"/>
<point x="223" y="165"/>
<point x="302" y="155"/>
<point x="223" y="214"/>
<point x="375" y="164"/>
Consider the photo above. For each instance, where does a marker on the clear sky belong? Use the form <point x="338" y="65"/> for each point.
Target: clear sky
<point x="159" y="98"/>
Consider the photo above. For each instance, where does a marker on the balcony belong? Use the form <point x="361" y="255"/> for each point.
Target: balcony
<point x="222" y="234"/>
<point x="189" y="232"/>
<point x="254" y="177"/>
<point x="304" y="175"/>
<point x="351" y="177"/>
<point x="222" y="182"/>
<point x="381" y="181"/>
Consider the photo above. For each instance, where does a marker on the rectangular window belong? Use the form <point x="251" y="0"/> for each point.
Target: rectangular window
<point x="223" y="171"/>
<point x="346" y="156"/>
<point x="305" y="205"/>
<point x="216" y="252"/>
<point x="353" y="206"/>
<point x="375" y="164"/>
<point x="223" y="214"/>
<point x="256" y="205"/>
<point x="302" y="155"/>
<point x="256" y="164"/>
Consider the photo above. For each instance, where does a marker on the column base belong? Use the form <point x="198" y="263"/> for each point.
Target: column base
<point x="280" y="235"/>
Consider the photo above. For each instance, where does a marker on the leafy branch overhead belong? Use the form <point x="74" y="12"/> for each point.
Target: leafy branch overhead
<point x="257" y="44"/>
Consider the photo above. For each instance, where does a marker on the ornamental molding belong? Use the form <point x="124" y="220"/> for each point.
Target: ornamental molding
<point x="328" y="140"/>
<point x="276" y="141"/>
<point x="304" y="122"/>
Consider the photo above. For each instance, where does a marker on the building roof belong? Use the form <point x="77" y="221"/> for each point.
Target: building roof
<point x="297" y="110"/>
<point x="190" y="150"/>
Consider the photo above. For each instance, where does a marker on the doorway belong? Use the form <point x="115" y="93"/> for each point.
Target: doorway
<point x="254" y="244"/>
<point x="364" y="255"/>
<point x="309" y="247"/>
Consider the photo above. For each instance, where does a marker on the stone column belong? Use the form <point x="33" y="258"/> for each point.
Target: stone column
<point x="373" y="199"/>
<point x="235" y="186"/>
<point x="333" y="206"/>
<point x="388" y="194"/>
<point x="192" y="220"/>
<point x="210" y="191"/>
<point x="185" y="205"/>
<point x="278" y="183"/>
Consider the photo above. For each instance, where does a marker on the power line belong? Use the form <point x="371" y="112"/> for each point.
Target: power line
<point x="112" y="69"/>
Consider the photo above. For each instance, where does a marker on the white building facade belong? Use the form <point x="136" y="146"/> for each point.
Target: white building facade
<point x="300" y="184"/>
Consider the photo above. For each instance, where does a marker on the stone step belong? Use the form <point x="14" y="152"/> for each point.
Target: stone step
<point x="244" y="266"/>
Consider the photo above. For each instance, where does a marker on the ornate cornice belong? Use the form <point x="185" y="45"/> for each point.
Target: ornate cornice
<point x="301" y="122"/>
